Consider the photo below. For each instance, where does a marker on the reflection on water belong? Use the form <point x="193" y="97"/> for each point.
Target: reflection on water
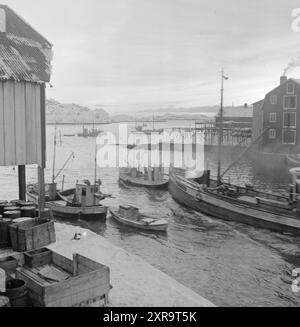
<point x="227" y="262"/>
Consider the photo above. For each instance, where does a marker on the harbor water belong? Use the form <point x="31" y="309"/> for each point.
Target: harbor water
<point x="228" y="263"/>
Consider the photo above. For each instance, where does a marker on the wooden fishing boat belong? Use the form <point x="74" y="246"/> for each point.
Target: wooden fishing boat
<point x="130" y="216"/>
<point x="241" y="204"/>
<point x="235" y="203"/>
<point x="82" y="202"/>
<point x="150" y="178"/>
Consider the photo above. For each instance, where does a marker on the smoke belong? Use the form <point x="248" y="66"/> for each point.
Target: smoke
<point x="295" y="62"/>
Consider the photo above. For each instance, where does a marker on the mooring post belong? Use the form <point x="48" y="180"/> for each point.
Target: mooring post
<point x="41" y="181"/>
<point x="22" y="182"/>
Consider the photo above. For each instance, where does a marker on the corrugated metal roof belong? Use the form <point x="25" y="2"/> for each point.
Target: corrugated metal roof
<point x="25" y="55"/>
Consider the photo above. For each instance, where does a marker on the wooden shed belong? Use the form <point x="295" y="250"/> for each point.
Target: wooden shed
<point x="25" y="68"/>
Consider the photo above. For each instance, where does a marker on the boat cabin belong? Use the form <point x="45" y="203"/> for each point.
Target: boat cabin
<point x="86" y="194"/>
<point x="151" y="174"/>
<point x="129" y="212"/>
<point x="295" y="185"/>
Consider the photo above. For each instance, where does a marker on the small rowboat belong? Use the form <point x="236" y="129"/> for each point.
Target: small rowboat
<point x="152" y="179"/>
<point x="130" y="216"/>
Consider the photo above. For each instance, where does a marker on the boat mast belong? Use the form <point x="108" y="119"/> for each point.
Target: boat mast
<point x="95" y="172"/>
<point x="54" y="155"/>
<point x="221" y="126"/>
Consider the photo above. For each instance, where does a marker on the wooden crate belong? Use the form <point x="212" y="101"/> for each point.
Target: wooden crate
<point x="87" y="282"/>
<point x="38" y="257"/>
<point x="9" y="264"/>
<point x="31" y="235"/>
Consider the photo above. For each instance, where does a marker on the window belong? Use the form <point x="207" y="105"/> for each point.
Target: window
<point x="289" y="119"/>
<point x="288" y="136"/>
<point x="290" y="102"/>
<point x="290" y="88"/>
<point x="273" y="117"/>
<point x="272" y="134"/>
<point x="273" y="99"/>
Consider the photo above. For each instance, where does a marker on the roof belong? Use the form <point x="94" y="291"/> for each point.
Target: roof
<point x="25" y="55"/>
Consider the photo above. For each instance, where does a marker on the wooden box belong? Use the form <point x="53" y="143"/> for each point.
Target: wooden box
<point x="31" y="235"/>
<point x="66" y="283"/>
<point x="9" y="264"/>
<point x="38" y="257"/>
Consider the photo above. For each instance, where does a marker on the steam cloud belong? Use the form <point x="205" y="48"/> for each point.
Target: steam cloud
<point x="295" y="62"/>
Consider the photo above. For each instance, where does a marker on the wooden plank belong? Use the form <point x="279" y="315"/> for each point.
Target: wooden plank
<point x="62" y="262"/>
<point x="75" y="264"/>
<point x="9" y="123"/>
<point x="77" y="284"/>
<point x="38" y="127"/>
<point x="20" y="117"/>
<point x="92" y="265"/>
<point x="2" y="132"/>
<point x="91" y="285"/>
<point x="31" y="154"/>
<point x="43" y="124"/>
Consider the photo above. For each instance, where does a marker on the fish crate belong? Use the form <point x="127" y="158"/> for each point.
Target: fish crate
<point x="62" y="282"/>
<point x="31" y="235"/>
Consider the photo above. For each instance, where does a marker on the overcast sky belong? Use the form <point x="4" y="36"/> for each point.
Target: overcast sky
<point x="131" y="54"/>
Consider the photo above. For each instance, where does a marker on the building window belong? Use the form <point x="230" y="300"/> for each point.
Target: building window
<point x="273" y="99"/>
<point x="290" y="102"/>
<point x="289" y="119"/>
<point x="273" y="117"/>
<point x="288" y="136"/>
<point x="272" y="134"/>
<point x="290" y="88"/>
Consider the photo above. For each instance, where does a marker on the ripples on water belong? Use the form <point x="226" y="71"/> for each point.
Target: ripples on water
<point x="229" y="263"/>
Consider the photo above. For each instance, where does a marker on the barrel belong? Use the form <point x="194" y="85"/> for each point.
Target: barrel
<point x="28" y="212"/>
<point x="16" y="291"/>
<point x="4" y="232"/>
<point x="12" y="214"/>
<point x="4" y="302"/>
<point x="3" y="204"/>
<point x="26" y="204"/>
<point x="10" y="208"/>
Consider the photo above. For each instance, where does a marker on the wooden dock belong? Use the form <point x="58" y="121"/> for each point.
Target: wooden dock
<point x="135" y="283"/>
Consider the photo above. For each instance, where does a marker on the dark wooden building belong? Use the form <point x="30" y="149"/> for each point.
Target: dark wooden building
<point x="277" y="116"/>
<point x="25" y="68"/>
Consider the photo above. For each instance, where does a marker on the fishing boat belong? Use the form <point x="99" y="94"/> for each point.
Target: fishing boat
<point x="235" y="203"/>
<point x="131" y="216"/>
<point x="151" y="177"/>
<point x="82" y="202"/>
<point x="93" y="132"/>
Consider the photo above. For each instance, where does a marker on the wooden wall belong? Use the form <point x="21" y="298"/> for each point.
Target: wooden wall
<point x="22" y="125"/>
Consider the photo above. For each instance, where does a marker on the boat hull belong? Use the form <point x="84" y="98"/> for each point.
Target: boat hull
<point x="61" y="211"/>
<point x="216" y="207"/>
<point x="136" y="224"/>
<point x="138" y="182"/>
